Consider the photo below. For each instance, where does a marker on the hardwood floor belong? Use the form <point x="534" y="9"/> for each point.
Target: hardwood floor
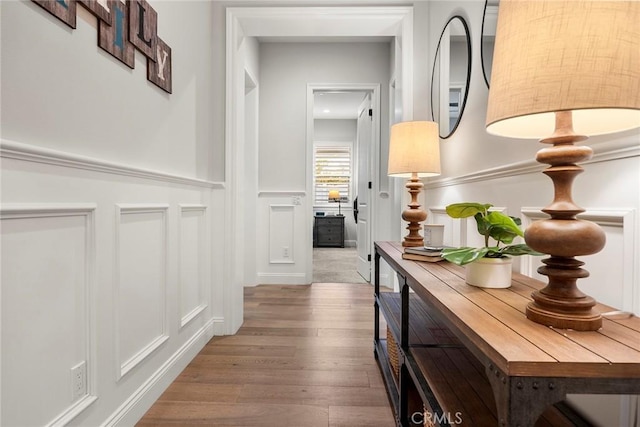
<point x="303" y="357"/>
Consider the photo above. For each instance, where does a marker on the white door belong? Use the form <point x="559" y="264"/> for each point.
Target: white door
<point x="363" y="190"/>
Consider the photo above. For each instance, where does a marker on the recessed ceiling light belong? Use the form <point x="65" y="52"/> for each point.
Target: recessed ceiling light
<point x="326" y="110"/>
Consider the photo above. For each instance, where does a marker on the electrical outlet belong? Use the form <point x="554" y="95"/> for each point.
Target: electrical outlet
<point x="79" y="380"/>
<point x="285" y="251"/>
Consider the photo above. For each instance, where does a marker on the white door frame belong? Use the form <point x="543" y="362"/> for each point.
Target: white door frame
<point x="343" y="22"/>
<point x="374" y="89"/>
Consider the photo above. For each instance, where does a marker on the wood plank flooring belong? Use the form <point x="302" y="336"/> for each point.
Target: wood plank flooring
<point x="303" y="357"/>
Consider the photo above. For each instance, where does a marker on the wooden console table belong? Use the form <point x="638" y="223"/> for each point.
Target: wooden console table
<point x="458" y="343"/>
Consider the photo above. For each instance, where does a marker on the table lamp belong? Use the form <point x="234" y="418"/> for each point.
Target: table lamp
<point x="560" y="66"/>
<point x="334" y="196"/>
<point x="414" y="152"/>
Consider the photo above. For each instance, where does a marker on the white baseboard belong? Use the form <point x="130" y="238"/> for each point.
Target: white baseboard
<point x="141" y="400"/>
<point x="282" y="279"/>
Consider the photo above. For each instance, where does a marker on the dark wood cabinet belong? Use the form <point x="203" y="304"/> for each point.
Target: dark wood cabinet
<point x="328" y="232"/>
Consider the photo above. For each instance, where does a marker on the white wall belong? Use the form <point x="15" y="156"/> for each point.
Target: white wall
<point x="112" y="216"/>
<point x="285" y="71"/>
<point x="484" y="168"/>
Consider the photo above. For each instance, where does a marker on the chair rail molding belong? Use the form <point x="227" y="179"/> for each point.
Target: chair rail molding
<point x="32" y="153"/>
<point x="281" y="193"/>
<point x="604" y="152"/>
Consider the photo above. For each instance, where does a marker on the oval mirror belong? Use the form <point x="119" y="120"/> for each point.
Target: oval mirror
<point x="450" y="76"/>
<point x="489" y="23"/>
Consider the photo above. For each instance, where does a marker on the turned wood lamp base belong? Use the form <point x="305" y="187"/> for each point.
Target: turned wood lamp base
<point x="414" y="215"/>
<point x="588" y="321"/>
<point x="560" y="304"/>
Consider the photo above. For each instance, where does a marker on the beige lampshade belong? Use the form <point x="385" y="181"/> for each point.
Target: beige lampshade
<point x="414" y="147"/>
<point x="558" y="55"/>
<point x="334" y="195"/>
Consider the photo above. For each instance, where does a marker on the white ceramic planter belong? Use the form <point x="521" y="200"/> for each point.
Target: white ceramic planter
<point x="489" y="272"/>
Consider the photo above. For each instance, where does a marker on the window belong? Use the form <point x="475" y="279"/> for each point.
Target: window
<point x="332" y="172"/>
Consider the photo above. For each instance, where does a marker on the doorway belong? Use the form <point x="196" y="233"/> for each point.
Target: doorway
<point x="245" y="25"/>
<point x="343" y="136"/>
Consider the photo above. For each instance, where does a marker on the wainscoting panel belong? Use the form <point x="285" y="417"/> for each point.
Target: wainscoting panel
<point x="192" y="258"/>
<point x="281" y="233"/>
<point x="452" y="230"/>
<point x="141" y="263"/>
<point x="47" y="311"/>
<point x="459" y="232"/>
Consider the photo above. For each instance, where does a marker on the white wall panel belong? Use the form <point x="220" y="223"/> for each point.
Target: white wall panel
<point x="452" y="228"/>
<point x="192" y="273"/>
<point x="47" y="311"/>
<point x="141" y="262"/>
<point x="281" y="234"/>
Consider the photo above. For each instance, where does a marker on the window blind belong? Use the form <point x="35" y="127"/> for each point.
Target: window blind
<point x="332" y="172"/>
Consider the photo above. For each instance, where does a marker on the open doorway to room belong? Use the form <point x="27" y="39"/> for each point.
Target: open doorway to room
<point x="257" y="38"/>
<point x="342" y="122"/>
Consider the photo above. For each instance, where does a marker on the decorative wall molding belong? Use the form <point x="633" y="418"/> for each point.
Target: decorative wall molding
<point x="438" y="210"/>
<point x="136" y="405"/>
<point x="35" y="210"/>
<point x="610" y="152"/>
<point x="284" y="193"/>
<point x="31" y="153"/>
<point x="281" y="233"/>
<point x="200" y="241"/>
<point x="18" y="211"/>
<point x="122" y="210"/>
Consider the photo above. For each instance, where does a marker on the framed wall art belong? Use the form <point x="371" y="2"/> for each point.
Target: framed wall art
<point x="99" y="8"/>
<point x="64" y="10"/>
<point x="143" y="28"/>
<point x="115" y="38"/>
<point x="159" y="72"/>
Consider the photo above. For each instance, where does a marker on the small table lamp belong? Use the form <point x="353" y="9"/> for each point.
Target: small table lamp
<point x="334" y="196"/>
<point x="414" y="152"/>
<point x="563" y="65"/>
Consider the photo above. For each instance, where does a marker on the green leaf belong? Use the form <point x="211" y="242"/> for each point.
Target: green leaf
<point x="462" y="256"/>
<point x="482" y="224"/>
<point x="503" y="228"/>
<point x="465" y="210"/>
<point x="517" y="250"/>
<point x="502" y="234"/>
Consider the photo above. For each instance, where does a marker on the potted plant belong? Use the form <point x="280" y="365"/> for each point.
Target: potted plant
<point x="489" y="265"/>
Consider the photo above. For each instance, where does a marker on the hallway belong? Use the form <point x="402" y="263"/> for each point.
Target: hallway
<point x="303" y="356"/>
<point x="336" y="265"/>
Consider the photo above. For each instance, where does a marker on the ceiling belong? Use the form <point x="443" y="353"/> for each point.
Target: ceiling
<point x="339" y="104"/>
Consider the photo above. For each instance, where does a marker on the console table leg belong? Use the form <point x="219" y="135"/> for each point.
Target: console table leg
<point x="521" y="400"/>
<point x="376" y="307"/>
